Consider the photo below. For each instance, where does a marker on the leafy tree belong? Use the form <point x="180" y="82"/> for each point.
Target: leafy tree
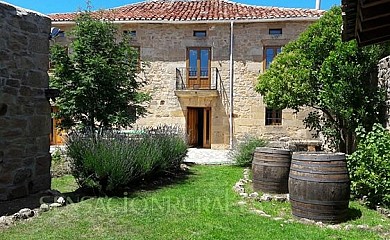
<point x="338" y="80"/>
<point x="98" y="81"/>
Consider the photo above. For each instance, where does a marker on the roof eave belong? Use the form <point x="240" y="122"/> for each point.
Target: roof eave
<point x="267" y="20"/>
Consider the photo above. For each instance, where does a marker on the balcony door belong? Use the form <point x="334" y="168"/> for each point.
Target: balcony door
<point x="198" y="68"/>
<point x="198" y="127"/>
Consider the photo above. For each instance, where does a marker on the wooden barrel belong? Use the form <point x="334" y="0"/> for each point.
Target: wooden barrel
<point x="270" y="167"/>
<point x="319" y="186"/>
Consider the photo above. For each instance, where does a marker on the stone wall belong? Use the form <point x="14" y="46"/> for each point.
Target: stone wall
<point x="164" y="46"/>
<point x="24" y="109"/>
<point x="384" y="82"/>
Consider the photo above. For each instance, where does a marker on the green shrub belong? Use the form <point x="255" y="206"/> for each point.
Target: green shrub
<point x="369" y="166"/>
<point x="59" y="164"/>
<point x="109" y="161"/>
<point x="243" y="153"/>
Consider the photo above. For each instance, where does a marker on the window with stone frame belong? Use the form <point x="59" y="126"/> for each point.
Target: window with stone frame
<point x="275" y="31"/>
<point x="131" y="33"/>
<point x="273" y="116"/>
<point x="270" y="53"/>
<point x="200" y="34"/>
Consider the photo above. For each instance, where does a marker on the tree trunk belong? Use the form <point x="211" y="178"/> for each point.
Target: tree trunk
<point x="347" y="142"/>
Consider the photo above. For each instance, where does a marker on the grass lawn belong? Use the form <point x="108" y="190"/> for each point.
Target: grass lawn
<point x="203" y="206"/>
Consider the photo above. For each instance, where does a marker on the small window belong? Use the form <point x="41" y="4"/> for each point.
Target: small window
<point x="200" y="34"/>
<point x="270" y="53"/>
<point x="275" y="31"/>
<point x="273" y="116"/>
<point x="131" y="34"/>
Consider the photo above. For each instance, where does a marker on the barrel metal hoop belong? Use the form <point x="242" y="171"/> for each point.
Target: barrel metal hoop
<point x="320" y="172"/>
<point x="274" y="180"/>
<point x="273" y="150"/>
<point x="318" y="180"/>
<point x="270" y="165"/>
<point x="318" y="157"/>
<point x="300" y="163"/>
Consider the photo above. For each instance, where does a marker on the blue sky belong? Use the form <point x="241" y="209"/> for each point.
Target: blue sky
<point x="52" y="6"/>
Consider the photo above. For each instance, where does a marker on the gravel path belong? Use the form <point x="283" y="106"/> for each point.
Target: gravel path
<point x="207" y="156"/>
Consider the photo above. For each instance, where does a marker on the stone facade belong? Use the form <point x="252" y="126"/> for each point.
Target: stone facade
<point x="384" y="82"/>
<point x="24" y="109"/>
<point x="163" y="47"/>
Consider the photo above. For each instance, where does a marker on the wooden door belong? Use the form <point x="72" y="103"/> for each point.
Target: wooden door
<point x="56" y="135"/>
<point x="198" y="68"/>
<point x="199" y="127"/>
<point x="206" y="127"/>
<point x="192" y="126"/>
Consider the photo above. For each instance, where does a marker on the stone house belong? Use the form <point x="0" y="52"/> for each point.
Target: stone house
<point x="204" y="57"/>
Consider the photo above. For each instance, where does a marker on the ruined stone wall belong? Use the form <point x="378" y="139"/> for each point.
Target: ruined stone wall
<point x="384" y="82"/>
<point x="163" y="47"/>
<point x="24" y="109"/>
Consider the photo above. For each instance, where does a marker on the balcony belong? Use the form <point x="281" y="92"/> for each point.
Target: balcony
<point x="197" y="82"/>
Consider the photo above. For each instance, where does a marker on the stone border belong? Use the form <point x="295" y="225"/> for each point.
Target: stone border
<point x="239" y="188"/>
<point x="26" y="214"/>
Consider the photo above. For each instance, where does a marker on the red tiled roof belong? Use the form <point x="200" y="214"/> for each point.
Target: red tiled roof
<point x="193" y="10"/>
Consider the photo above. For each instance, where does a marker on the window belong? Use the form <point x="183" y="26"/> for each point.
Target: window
<point x="200" y="33"/>
<point x="198" y="67"/>
<point x="269" y="54"/>
<point x="273" y="116"/>
<point x="131" y="34"/>
<point x="275" y="31"/>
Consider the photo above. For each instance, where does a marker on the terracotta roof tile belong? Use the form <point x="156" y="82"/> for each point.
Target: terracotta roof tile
<point x="193" y="10"/>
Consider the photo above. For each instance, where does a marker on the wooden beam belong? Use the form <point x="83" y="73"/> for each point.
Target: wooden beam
<point x="373" y="36"/>
<point x="372" y="3"/>
<point x="373" y="24"/>
<point x="372" y="41"/>
<point x="372" y="13"/>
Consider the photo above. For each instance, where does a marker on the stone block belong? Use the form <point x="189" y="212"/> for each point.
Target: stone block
<point x="22" y="175"/>
<point x="40" y="183"/>
<point x="26" y="91"/>
<point x="4" y="192"/>
<point x="17" y="192"/>
<point x="42" y="164"/>
<point x="18" y="123"/>
<point x="28" y="161"/>
<point x="15" y="83"/>
<point x="10" y="90"/>
<point x="19" y="38"/>
<point x="5" y="56"/>
<point x="29" y="27"/>
<point x="9" y="133"/>
<point x="38" y="125"/>
<point x="6" y="177"/>
<point x="39" y="45"/>
<point x="42" y="64"/>
<point x="43" y="143"/>
<point x="15" y="151"/>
